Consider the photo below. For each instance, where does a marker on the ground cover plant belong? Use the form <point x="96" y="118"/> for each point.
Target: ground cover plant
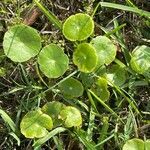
<point x="75" y="75"/>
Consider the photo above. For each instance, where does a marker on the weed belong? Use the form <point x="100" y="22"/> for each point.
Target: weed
<point x="82" y="85"/>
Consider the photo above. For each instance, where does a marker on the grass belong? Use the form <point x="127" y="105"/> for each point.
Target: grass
<point x="106" y="125"/>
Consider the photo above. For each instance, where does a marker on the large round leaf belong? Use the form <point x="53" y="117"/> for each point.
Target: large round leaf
<point x="53" y="109"/>
<point x="140" y="61"/>
<point x="85" y="57"/>
<point x="134" y="144"/>
<point x="71" y="88"/>
<point x="21" y="42"/>
<point x="71" y="117"/>
<point x="105" y="49"/>
<point x="52" y="60"/>
<point x="78" y="27"/>
<point x="35" y="124"/>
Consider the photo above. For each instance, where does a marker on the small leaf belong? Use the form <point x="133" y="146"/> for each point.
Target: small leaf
<point x="134" y="144"/>
<point x="21" y="42"/>
<point x="52" y="60"/>
<point x="71" y="88"/>
<point x="140" y="61"/>
<point x="116" y="75"/>
<point x="35" y="124"/>
<point x="78" y="27"/>
<point x="105" y="49"/>
<point x="53" y="109"/>
<point x="71" y="117"/>
<point x="102" y="89"/>
<point x="85" y="57"/>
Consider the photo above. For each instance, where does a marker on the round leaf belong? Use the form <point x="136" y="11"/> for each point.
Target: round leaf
<point x="116" y="75"/>
<point x="71" y="117"/>
<point x="140" y="61"/>
<point x="85" y="57"/>
<point x="78" y="27"/>
<point x="53" y="109"/>
<point x="105" y="49"/>
<point x="52" y="61"/>
<point x="35" y="124"/>
<point x="71" y="88"/>
<point x="134" y="144"/>
<point x="21" y="42"/>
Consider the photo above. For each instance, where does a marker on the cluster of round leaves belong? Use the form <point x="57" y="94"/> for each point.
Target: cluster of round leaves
<point x="88" y="56"/>
<point x="37" y="123"/>
<point x="22" y="42"/>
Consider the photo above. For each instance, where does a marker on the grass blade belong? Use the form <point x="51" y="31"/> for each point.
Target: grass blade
<point x="41" y="141"/>
<point x="58" y="143"/>
<point x="105" y="105"/>
<point x="8" y="120"/>
<point x="90" y="125"/>
<point x="131" y="102"/>
<point x="15" y="137"/>
<point x="111" y="136"/>
<point x="51" y="17"/>
<point x="82" y="137"/>
<point x="103" y="132"/>
<point x="126" y="8"/>
<point x="92" y="102"/>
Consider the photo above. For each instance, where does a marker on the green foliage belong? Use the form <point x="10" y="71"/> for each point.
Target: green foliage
<point x="105" y="49"/>
<point x="136" y="144"/>
<point x="51" y="134"/>
<point x="78" y="27"/>
<point x="102" y="89"/>
<point x="52" y="60"/>
<point x="116" y="75"/>
<point x="53" y="109"/>
<point x="140" y="61"/>
<point x="71" y="88"/>
<point x="85" y="74"/>
<point x="71" y="117"/>
<point x="85" y="57"/>
<point x="35" y="124"/>
<point x="21" y="42"/>
<point x="8" y="120"/>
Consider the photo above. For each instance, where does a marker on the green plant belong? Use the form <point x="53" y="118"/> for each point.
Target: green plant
<point x="52" y="61"/>
<point x="137" y="144"/>
<point x="140" y="61"/>
<point x="21" y="42"/>
<point x="78" y="27"/>
<point x="88" y="76"/>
